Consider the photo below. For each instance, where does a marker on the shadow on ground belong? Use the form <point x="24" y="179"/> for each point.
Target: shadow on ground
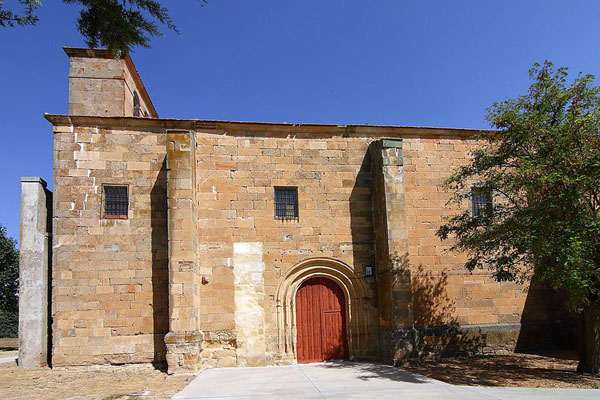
<point x="525" y="370"/>
<point x="368" y="371"/>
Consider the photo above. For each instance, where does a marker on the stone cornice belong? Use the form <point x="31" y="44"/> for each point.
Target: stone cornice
<point x="262" y="128"/>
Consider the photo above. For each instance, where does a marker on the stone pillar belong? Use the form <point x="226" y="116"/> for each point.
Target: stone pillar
<point x="391" y="248"/>
<point x="249" y="294"/>
<point x="184" y="339"/>
<point x="33" y="273"/>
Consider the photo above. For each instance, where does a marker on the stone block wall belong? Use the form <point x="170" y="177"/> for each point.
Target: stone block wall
<point x="95" y="86"/>
<point x="245" y="251"/>
<point x="420" y="283"/>
<point x="453" y="310"/>
<point x="110" y="281"/>
<point x="443" y="291"/>
<point x="228" y="255"/>
<point x="133" y="86"/>
<point x="102" y="85"/>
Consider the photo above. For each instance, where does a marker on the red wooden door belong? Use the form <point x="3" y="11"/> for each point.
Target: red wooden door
<point x="320" y="321"/>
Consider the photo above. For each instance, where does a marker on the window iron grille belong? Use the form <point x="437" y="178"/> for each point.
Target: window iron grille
<point x="481" y="202"/>
<point x="116" y="202"/>
<point x="286" y="203"/>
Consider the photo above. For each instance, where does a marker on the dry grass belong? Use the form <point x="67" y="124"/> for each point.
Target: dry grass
<point x="101" y="383"/>
<point x="556" y="370"/>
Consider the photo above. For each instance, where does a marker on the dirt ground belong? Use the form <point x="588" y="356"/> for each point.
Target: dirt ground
<point x="551" y="370"/>
<point x="137" y="382"/>
<point x="98" y="383"/>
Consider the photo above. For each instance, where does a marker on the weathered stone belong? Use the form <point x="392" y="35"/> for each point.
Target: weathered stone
<point x="36" y="226"/>
<point x="248" y="271"/>
<point x="102" y="85"/>
<point x="183" y="351"/>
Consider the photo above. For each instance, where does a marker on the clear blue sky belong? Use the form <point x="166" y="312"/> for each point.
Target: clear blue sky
<point x="431" y="63"/>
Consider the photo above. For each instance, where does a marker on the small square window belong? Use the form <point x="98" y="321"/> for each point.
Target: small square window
<point x="481" y="202"/>
<point x="286" y="202"/>
<point x="116" y="202"/>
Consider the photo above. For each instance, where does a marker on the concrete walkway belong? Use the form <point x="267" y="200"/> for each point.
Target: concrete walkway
<point x="349" y="380"/>
<point x="8" y="359"/>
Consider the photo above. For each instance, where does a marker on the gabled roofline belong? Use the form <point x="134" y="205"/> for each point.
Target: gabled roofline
<point x="107" y="54"/>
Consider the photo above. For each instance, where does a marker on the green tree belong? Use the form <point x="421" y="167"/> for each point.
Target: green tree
<point x="26" y="17"/>
<point x="118" y="25"/>
<point x="542" y="168"/>
<point x="9" y="273"/>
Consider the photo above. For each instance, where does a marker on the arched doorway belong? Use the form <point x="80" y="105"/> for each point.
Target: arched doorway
<point x="359" y="334"/>
<point x="321" y="321"/>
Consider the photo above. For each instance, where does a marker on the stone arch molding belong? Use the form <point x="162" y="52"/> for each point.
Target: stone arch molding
<point x="357" y="327"/>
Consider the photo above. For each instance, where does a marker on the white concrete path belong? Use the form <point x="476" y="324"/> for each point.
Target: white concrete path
<point x="8" y="359"/>
<point x="350" y="380"/>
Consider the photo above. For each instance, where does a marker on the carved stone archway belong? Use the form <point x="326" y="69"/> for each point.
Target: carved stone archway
<point x="357" y="319"/>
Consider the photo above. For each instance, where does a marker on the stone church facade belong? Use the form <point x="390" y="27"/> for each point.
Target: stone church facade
<point x="218" y="243"/>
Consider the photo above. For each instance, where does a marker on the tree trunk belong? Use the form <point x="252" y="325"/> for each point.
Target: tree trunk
<point x="589" y="346"/>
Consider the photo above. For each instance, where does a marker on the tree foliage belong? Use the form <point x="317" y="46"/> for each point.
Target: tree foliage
<point x="543" y="167"/>
<point x="9" y="272"/>
<point x="25" y="17"/>
<point x="118" y="25"/>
